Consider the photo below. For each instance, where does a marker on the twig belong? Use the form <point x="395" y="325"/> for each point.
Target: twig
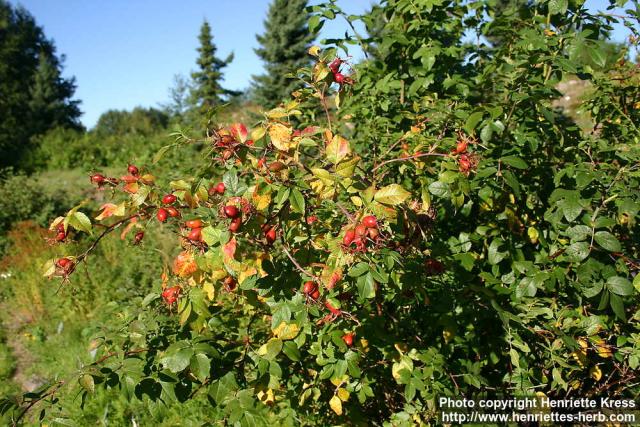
<point x="415" y="156"/>
<point x="297" y="264"/>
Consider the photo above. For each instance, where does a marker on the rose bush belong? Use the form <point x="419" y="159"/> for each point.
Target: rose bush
<point x="426" y="223"/>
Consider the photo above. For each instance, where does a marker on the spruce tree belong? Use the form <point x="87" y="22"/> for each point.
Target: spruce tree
<point x="283" y="48"/>
<point x="207" y="91"/>
<point x="34" y="96"/>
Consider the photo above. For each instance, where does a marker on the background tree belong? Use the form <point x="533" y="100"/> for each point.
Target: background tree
<point x="178" y="103"/>
<point x="207" y="91"/>
<point x="35" y="97"/>
<point x="283" y="48"/>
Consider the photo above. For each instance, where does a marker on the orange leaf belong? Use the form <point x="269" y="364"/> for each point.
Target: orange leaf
<point x="131" y="187"/>
<point x="109" y="209"/>
<point x="184" y="265"/>
<point x="229" y="250"/>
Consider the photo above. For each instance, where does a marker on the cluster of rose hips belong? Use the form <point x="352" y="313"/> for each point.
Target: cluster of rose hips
<point x="195" y="227"/>
<point x="168" y="211"/>
<point x="338" y="77"/>
<point x="228" y="141"/>
<point x="170" y="295"/>
<point x="64" y="267"/>
<point x="100" y="180"/>
<point x="133" y="176"/>
<point x="61" y="234"/>
<point x="356" y="239"/>
<point x="466" y="162"/>
<point x="310" y="289"/>
<point x="235" y="214"/>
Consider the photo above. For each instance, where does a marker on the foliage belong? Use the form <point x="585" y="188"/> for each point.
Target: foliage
<point x="23" y="198"/>
<point x="283" y="48"/>
<point x="35" y="97"/>
<point x="207" y="91"/>
<point x="445" y="232"/>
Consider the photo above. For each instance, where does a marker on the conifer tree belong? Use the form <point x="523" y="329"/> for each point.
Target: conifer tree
<point x="283" y="48"/>
<point x="34" y="96"/>
<point x="207" y="91"/>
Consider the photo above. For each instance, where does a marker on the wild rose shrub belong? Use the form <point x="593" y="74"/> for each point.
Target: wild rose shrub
<point x="445" y="231"/>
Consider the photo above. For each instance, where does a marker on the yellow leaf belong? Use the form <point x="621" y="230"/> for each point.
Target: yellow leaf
<point x="277" y="113"/>
<point x="595" y="373"/>
<point x="281" y="137"/>
<point x="258" y="133"/>
<point x="314" y="50"/>
<point x="405" y="363"/>
<point x="320" y="71"/>
<point x="54" y="224"/>
<point x="266" y="397"/>
<point x="209" y="290"/>
<point x="336" y="405"/>
<point x="343" y="394"/>
<point x="286" y="331"/>
<point x="347" y="168"/>
<point x="401" y="347"/>
<point x="393" y="194"/>
<point x="250" y="271"/>
<point x="323" y="174"/>
<point x="219" y="274"/>
<point x="260" y="201"/>
<point x="340" y="380"/>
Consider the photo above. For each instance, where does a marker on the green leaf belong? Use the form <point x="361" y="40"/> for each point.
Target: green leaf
<point x="140" y="196"/>
<point x="515" y="161"/>
<point x="359" y="269"/>
<point x="486" y="133"/>
<point x="608" y="241"/>
<point x="393" y="194"/>
<point x="619" y="286"/>
<point x="224" y="389"/>
<point x="558" y="7"/>
<point x="290" y="349"/>
<point x="636" y="282"/>
<point x="439" y="189"/>
<point x="495" y="256"/>
<point x="617" y="306"/>
<point x="472" y="121"/>
<point x="366" y="287"/>
<point x="577" y="251"/>
<point x="200" y="366"/>
<point x="578" y="233"/>
<point x="597" y="56"/>
<point x="570" y="206"/>
<point x="161" y="152"/>
<point x="149" y="298"/>
<point x="297" y="201"/>
<point x="80" y="222"/>
<point x="177" y="361"/>
<point x="270" y="349"/>
<point x="526" y="288"/>
<point x="315" y="24"/>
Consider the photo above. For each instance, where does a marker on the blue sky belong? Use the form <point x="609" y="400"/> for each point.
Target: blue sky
<point x="124" y="53"/>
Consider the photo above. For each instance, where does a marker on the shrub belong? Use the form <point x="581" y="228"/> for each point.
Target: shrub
<point x="446" y="233"/>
